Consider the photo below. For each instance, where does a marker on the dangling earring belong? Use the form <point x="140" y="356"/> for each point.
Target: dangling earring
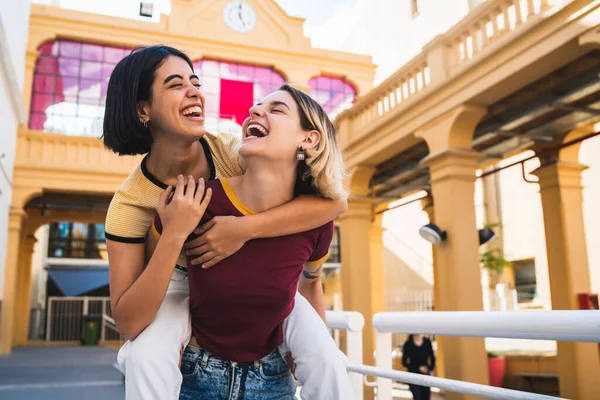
<point x="144" y="122"/>
<point x="300" y="156"/>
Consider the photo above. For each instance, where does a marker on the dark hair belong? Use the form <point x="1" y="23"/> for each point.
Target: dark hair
<point x="131" y="82"/>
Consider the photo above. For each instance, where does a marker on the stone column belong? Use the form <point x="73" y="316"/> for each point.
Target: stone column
<point x="23" y="295"/>
<point x="427" y="204"/>
<point x="457" y="269"/>
<point x="562" y="202"/>
<point x="7" y="316"/>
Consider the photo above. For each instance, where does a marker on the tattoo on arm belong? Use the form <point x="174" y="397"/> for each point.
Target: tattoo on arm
<point x="312" y="275"/>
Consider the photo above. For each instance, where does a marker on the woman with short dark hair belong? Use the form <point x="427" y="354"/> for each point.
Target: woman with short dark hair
<point x="154" y="105"/>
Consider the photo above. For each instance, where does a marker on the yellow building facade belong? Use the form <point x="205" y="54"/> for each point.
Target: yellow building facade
<point x="514" y="75"/>
<point x="63" y="173"/>
<point x="511" y="76"/>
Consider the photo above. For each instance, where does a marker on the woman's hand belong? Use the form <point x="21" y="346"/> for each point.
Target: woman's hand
<point x="218" y="239"/>
<point x="181" y="214"/>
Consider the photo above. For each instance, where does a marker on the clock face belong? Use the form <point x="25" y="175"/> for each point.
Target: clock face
<point x="239" y="16"/>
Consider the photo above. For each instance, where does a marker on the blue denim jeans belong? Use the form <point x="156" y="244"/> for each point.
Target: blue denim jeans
<point x="208" y="377"/>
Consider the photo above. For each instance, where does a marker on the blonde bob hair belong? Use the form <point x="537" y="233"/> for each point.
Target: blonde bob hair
<point x="322" y="172"/>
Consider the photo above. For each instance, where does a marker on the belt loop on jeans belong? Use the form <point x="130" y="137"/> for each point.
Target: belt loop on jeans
<point x="204" y="358"/>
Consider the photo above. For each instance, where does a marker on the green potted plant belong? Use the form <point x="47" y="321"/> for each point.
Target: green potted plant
<point x="493" y="260"/>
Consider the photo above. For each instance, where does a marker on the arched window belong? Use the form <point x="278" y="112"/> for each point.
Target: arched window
<point x="71" y="79"/>
<point x="69" y="87"/>
<point x="231" y="89"/>
<point x="334" y="94"/>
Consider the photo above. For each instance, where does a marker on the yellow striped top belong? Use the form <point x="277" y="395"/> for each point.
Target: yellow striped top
<point x="133" y="207"/>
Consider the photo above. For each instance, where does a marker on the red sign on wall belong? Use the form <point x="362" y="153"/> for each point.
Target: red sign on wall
<point x="236" y="99"/>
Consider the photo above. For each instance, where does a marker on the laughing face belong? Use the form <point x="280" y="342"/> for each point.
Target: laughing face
<point x="177" y="105"/>
<point x="273" y="129"/>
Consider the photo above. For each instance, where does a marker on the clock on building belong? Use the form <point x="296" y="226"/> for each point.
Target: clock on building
<point x="239" y="16"/>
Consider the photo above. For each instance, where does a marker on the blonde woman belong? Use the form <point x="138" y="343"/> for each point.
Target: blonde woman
<point x="155" y="105"/>
<point x="240" y="308"/>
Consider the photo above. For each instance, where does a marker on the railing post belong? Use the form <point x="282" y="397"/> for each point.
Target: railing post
<point x="383" y="359"/>
<point x="103" y="333"/>
<point x="49" y="317"/>
<point x="354" y="353"/>
<point x="85" y="306"/>
<point x="437" y="60"/>
<point x="352" y="322"/>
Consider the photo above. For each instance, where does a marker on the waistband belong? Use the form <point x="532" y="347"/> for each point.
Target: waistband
<point x="204" y="356"/>
<point x="179" y="274"/>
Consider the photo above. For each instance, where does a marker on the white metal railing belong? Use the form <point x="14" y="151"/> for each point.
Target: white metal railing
<point x="65" y="317"/>
<point x="413" y="300"/>
<point x="110" y="324"/>
<point x="352" y="323"/>
<point x="570" y="326"/>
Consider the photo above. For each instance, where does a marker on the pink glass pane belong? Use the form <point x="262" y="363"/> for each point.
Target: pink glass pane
<point x="70" y="85"/>
<point x="263" y="75"/>
<point x="76" y="74"/>
<point x="212" y="105"/>
<point x="331" y="92"/>
<point x="69" y="66"/>
<point x="44" y="84"/>
<point x="103" y="89"/>
<point x="46" y="65"/>
<point x="246" y="73"/>
<point x="211" y="85"/>
<point x="338" y="85"/>
<point x="36" y="121"/>
<point x="107" y="69"/>
<point x="92" y="52"/>
<point x="91" y="69"/>
<point x="39" y="102"/>
<point x="277" y="79"/>
<point x="228" y="70"/>
<point x="89" y="88"/>
<point x="46" y="49"/>
<point x="208" y="68"/>
<point x="260" y="91"/>
<point x="320" y="82"/>
<point x="70" y="49"/>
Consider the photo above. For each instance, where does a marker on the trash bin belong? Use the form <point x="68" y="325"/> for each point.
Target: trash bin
<point x="91" y="329"/>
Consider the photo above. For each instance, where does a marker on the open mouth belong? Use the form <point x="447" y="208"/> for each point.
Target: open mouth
<point x="193" y="112"/>
<point x="255" y="131"/>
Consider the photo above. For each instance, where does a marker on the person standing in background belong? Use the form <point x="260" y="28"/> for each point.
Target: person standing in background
<point x="418" y="357"/>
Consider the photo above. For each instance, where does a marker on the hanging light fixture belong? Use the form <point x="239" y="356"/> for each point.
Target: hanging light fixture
<point x="486" y="235"/>
<point x="435" y="235"/>
<point x="432" y="233"/>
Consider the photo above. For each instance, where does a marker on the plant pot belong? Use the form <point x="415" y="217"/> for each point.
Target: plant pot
<point x="497" y="367"/>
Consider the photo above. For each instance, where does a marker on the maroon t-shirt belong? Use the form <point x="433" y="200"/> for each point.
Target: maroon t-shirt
<point x="239" y="305"/>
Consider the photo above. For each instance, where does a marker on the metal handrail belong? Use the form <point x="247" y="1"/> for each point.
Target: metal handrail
<point x="352" y="322"/>
<point x="568" y="326"/>
<point x="489" y="392"/>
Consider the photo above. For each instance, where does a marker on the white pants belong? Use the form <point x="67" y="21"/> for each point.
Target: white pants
<point x="150" y="362"/>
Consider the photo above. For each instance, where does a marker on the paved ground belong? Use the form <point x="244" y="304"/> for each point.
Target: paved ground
<point x="74" y="373"/>
<point x="60" y="373"/>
